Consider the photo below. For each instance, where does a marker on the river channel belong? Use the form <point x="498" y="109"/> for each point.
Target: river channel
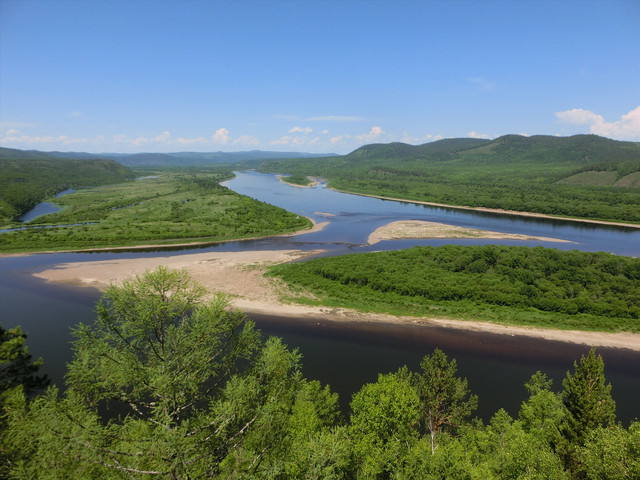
<point x="348" y="355"/>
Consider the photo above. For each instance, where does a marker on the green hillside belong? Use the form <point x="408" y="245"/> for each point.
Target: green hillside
<point x="27" y="178"/>
<point x="533" y="174"/>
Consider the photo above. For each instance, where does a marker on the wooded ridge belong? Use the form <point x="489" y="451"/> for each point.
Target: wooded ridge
<point x="541" y="174"/>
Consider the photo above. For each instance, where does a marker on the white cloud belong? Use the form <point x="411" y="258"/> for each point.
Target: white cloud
<point x="474" y="134"/>
<point x="246" y="140"/>
<point x="75" y="114"/>
<point x="406" y="138"/>
<point x="286" y="140"/>
<point x="339" y="138"/>
<point x="221" y="136"/>
<point x="163" y="138"/>
<point x="304" y="130"/>
<point x="627" y="128"/>
<point x="191" y="141"/>
<point x="373" y="134"/>
<point x="16" y="138"/>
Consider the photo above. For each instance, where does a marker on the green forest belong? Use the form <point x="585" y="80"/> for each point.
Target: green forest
<point x="560" y="176"/>
<point x="515" y="285"/>
<point x="170" y="383"/>
<point x="25" y="182"/>
<point x="165" y="207"/>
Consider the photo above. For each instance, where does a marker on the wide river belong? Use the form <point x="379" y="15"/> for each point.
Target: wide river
<point x="348" y="355"/>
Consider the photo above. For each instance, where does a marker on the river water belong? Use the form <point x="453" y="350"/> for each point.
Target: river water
<point x="348" y="355"/>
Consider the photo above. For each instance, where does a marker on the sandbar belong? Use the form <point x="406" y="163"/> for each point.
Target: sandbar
<point x="403" y="229"/>
<point x="240" y="275"/>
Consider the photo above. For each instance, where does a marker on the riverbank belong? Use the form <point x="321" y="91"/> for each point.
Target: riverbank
<point x="240" y="275"/>
<point x="495" y="210"/>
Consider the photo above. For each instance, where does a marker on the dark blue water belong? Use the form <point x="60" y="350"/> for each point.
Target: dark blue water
<point x="43" y="208"/>
<point x="348" y="355"/>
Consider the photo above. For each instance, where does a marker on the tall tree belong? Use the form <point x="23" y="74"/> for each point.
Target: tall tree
<point x="587" y="398"/>
<point x="445" y="399"/>
<point x="588" y="405"/>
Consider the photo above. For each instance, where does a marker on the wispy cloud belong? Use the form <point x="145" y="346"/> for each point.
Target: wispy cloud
<point x="247" y="140"/>
<point x="474" y="134"/>
<point x="406" y="138"/>
<point x="627" y="128"/>
<point x="305" y="130"/>
<point x="19" y="139"/>
<point x="192" y="141"/>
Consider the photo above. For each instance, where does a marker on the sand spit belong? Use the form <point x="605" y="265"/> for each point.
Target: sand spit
<point x="404" y="229"/>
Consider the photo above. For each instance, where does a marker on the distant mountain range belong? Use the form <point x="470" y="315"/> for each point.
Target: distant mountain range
<point x="163" y="159"/>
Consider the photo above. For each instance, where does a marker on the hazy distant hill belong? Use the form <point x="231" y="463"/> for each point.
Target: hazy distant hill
<point x="583" y="175"/>
<point x="164" y="159"/>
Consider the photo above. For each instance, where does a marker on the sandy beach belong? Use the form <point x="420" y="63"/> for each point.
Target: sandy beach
<point x="240" y="275"/>
<point x="420" y="229"/>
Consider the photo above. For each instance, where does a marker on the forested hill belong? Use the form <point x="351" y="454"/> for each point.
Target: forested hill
<point x="584" y="176"/>
<point x="27" y="178"/>
<point x="180" y="159"/>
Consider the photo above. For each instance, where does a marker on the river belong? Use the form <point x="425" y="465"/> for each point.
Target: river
<point x="348" y="355"/>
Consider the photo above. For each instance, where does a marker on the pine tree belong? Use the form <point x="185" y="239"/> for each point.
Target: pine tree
<point x="588" y="406"/>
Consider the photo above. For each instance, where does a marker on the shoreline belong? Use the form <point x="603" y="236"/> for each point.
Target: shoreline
<point x="494" y="210"/>
<point x="240" y="276"/>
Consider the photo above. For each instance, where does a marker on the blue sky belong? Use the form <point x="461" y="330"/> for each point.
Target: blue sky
<point x="314" y="76"/>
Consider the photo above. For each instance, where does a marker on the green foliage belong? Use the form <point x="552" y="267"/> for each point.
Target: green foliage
<point x="509" y="173"/>
<point x="16" y="367"/>
<point x="588" y="404"/>
<point x="28" y="181"/>
<point x="612" y="453"/>
<point x="297" y="180"/>
<point x="172" y="207"/>
<point x="383" y="420"/>
<point x="587" y="398"/>
<point x="192" y="392"/>
<point x="445" y="400"/>
<point x="170" y="384"/>
<point x="520" y="285"/>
